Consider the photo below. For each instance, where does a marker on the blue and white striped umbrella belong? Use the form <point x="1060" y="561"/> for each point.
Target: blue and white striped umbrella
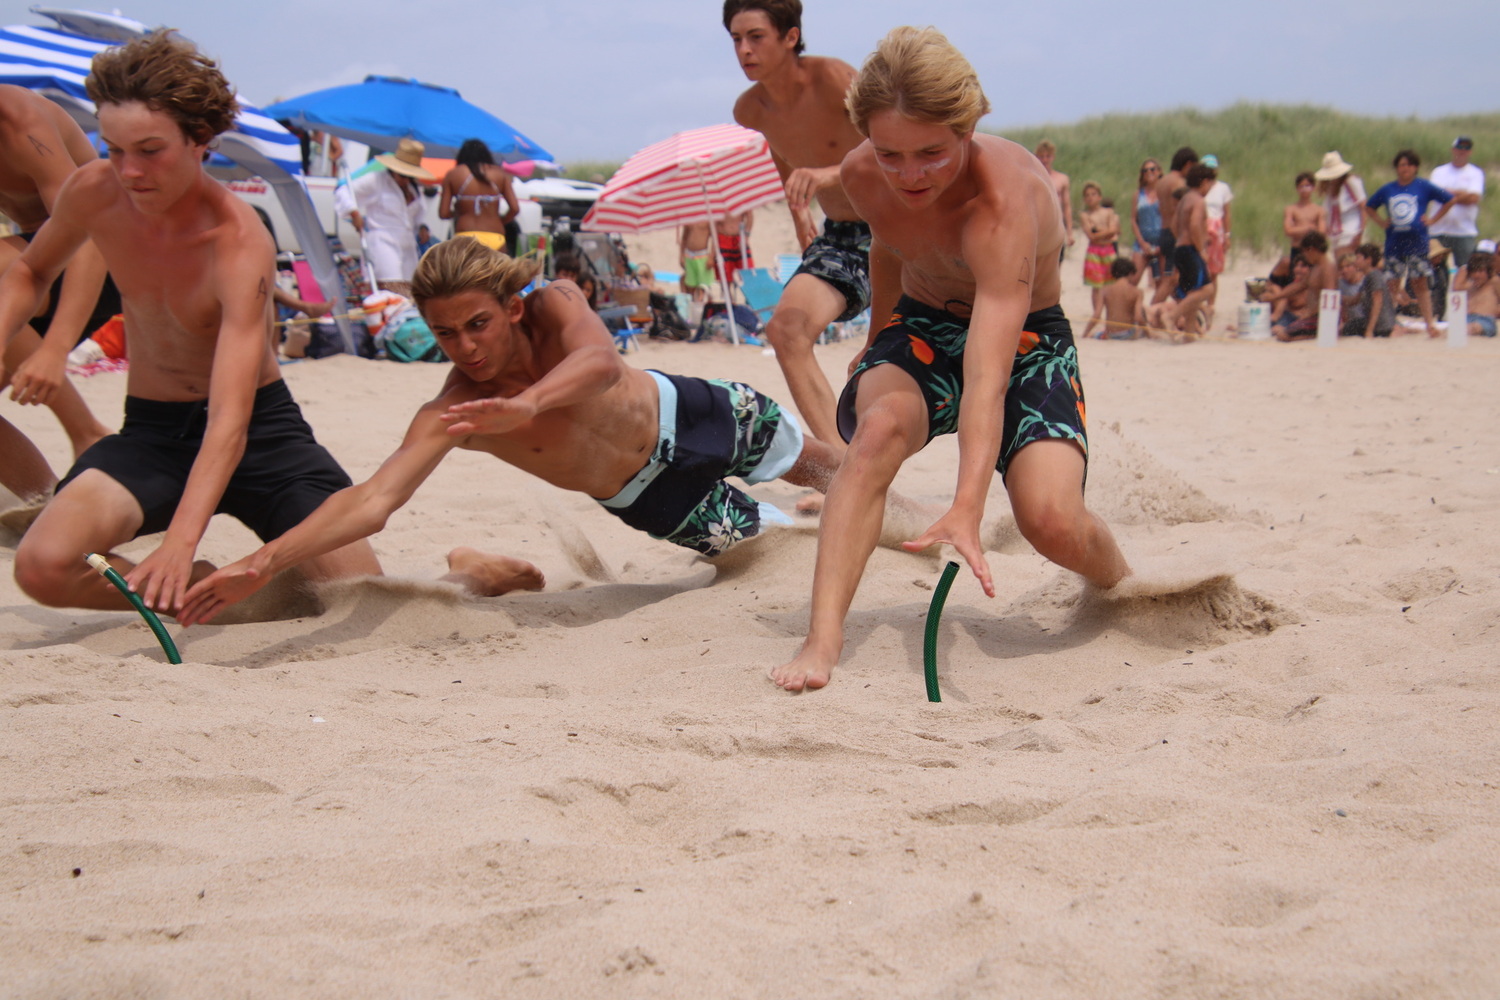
<point x="54" y="63"/>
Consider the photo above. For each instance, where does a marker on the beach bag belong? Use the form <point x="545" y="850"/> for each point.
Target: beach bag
<point x="410" y="339"/>
<point x="715" y="325"/>
<point x="666" y="322"/>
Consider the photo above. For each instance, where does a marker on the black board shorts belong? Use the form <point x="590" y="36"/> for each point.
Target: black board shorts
<point x="283" y="477"/>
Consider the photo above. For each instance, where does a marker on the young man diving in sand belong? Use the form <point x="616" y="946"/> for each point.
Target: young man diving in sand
<point x="209" y="425"/>
<point x="797" y="102"/>
<point x="967" y="232"/>
<point x="537" y="382"/>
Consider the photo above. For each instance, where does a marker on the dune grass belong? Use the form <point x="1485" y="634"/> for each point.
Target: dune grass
<point x="1261" y="148"/>
<point x="590" y="170"/>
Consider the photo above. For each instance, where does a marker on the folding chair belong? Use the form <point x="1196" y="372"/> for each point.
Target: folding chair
<point x="633" y="305"/>
<point x="761" y="291"/>
<point x="786" y="266"/>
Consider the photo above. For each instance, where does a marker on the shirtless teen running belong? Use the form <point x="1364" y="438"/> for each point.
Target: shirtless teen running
<point x="967" y="231"/>
<point x="797" y="102"/>
<point x="40" y="147"/>
<point x="209" y="425"/>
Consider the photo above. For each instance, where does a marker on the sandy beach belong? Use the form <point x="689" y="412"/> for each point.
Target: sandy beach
<point x="1281" y="781"/>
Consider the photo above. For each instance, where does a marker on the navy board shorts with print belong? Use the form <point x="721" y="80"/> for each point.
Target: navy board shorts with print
<point x="841" y="257"/>
<point x="1043" y="400"/>
<point x="709" y="429"/>
<point x="283" y="476"/>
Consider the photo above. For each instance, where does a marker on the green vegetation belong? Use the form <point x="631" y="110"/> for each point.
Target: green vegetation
<point x="591" y="170"/>
<point x="1261" y="148"/>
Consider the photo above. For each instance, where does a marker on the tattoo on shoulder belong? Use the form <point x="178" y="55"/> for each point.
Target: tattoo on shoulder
<point x="38" y="145"/>
<point x="566" y="293"/>
<point x="260" y="291"/>
<point x="1025" y="276"/>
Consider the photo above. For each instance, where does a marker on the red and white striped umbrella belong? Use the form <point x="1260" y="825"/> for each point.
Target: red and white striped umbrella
<point x="694" y="176"/>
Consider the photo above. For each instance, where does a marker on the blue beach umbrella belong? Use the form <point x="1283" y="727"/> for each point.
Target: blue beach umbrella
<point x="385" y="109"/>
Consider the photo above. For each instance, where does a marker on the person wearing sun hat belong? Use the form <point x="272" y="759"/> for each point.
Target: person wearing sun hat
<point x="1459" y="229"/>
<point x="1344" y="194"/>
<point x="389" y="209"/>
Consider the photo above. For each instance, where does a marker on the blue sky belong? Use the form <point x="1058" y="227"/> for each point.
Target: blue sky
<point x="598" y="79"/>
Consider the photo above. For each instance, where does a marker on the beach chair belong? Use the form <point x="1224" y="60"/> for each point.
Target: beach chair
<point x="633" y="307"/>
<point x="786" y="266"/>
<point x="761" y="291"/>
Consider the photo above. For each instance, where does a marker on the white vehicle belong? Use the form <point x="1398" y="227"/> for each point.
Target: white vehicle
<point x="543" y="201"/>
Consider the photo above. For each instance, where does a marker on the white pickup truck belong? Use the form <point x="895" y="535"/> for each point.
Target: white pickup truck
<point x="542" y="201"/>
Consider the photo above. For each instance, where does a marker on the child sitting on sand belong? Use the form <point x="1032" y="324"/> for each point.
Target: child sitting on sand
<point x="1369" y="312"/>
<point x="1314" y="273"/>
<point x="1480" y="281"/>
<point x="1124" y="307"/>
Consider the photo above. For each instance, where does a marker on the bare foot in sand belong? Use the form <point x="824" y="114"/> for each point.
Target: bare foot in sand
<point x="810" y="504"/>
<point x="491" y="576"/>
<point x="809" y="670"/>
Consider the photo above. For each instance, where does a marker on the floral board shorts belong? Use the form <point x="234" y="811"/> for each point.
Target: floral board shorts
<point x="841" y="257"/>
<point x="1043" y="400"/>
<point x="709" y="430"/>
<point x="1404" y="269"/>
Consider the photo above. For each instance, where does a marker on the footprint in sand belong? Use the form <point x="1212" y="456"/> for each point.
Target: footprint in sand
<point x="576" y="546"/>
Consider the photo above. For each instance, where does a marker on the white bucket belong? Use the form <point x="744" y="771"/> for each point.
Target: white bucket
<point x="1255" y="321"/>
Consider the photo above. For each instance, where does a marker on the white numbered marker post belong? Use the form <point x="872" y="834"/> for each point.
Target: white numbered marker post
<point x="1328" y="318"/>
<point x="1458" y="319"/>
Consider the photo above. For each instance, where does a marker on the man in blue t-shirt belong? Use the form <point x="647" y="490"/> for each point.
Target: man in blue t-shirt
<point x="1406" y="200"/>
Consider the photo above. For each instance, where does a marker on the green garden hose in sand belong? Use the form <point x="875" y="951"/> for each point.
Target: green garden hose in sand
<point x="929" y="642"/>
<point x="112" y="575"/>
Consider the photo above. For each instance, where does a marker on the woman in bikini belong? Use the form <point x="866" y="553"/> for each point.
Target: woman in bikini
<point x="478" y="197"/>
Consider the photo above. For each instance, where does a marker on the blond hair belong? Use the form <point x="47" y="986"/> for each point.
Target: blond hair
<point x="1045" y="146"/>
<point x="465" y="265"/>
<point x="919" y="74"/>
<point x="168" y="74"/>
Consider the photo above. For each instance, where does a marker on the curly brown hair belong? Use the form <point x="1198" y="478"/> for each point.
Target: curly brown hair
<point x="166" y="73"/>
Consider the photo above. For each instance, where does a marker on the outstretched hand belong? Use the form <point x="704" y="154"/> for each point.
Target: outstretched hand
<point x="161" y="579"/>
<point x="960" y="530"/>
<point x="496" y="415"/>
<point x="230" y="585"/>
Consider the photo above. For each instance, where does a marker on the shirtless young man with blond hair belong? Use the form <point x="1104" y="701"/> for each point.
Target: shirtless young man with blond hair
<point x="537" y="383"/>
<point x="797" y="102"/>
<point x="209" y="425"/>
<point x="964" y="260"/>
<point x="40" y="147"/>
